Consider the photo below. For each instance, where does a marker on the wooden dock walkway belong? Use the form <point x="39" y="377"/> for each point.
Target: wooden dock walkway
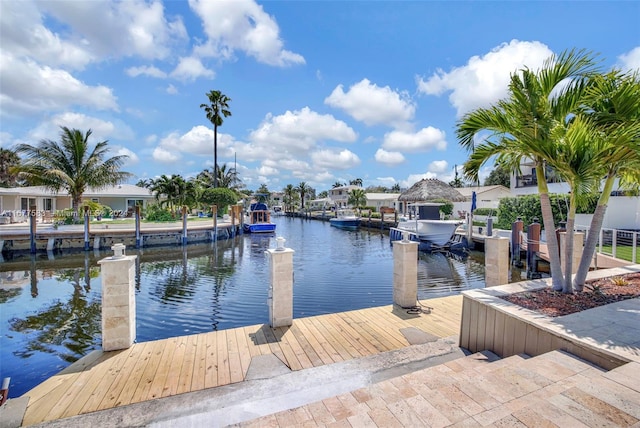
<point x="163" y="368"/>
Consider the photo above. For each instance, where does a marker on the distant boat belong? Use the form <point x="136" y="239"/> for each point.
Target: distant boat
<point x="345" y="219"/>
<point x="258" y="219"/>
<point x="427" y="225"/>
<point x="277" y="210"/>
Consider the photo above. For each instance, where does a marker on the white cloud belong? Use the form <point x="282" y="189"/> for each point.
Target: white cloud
<point x="101" y="130"/>
<point x="373" y="105"/>
<point x="424" y="140"/>
<point x="119" y="29"/>
<point x="241" y="25"/>
<point x="335" y="159"/>
<point x="484" y="80"/>
<point x="630" y="60"/>
<point x="389" y="158"/>
<point x="414" y="178"/>
<point x="299" y="131"/>
<point x="267" y="170"/>
<point x="198" y="141"/>
<point x="165" y="156"/>
<point x="438" y="166"/>
<point x="191" y="68"/>
<point x="123" y="151"/>
<point x="146" y="71"/>
<point x="28" y="87"/>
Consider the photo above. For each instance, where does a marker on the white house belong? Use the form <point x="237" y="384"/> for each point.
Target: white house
<point x="19" y="200"/>
<point x="340" y="195"/>
<point x="379" y="200"/>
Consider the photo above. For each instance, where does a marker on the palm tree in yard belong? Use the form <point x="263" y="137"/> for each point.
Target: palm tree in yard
<point x="520" y="127"/>
<point x="217" y="108"/>
<point x="290" y="196"/>
<point x="357" y="198"/>
<point x="303" y="188"/>
<point x="71" y="164"/>
<point x="337" y="184"/>
<point x="613" y="103"/>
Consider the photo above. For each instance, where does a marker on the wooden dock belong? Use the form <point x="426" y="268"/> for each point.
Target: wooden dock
<point x="162" y="368"/>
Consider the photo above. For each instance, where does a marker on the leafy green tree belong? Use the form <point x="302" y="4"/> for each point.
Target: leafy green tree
<point x="499" y="176"/>
<point x="520" y="127"/>
<point x="323" y="194"/>
<point x="217" y="108"/>
<point x="70" y="165"/>
<point x="220" y="196"/>
<point x="8" y="160"/>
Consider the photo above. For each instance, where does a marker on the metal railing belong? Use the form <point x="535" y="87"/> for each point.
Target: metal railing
<point x="617" y="243"/>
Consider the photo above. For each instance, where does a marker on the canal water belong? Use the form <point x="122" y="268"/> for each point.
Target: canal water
<point x="50" y="312"/>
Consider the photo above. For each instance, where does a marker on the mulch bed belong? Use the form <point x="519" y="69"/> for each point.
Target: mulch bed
<point x="596" y="293"/>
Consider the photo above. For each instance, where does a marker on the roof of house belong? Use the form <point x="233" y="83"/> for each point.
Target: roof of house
<point x="467" y="191"/>
<point x="431" y="189"/>
<point x="382" y="196"/>
<point x="121" y="190"/>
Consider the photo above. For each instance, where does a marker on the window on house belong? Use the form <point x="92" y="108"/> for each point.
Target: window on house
<point x="27" y="203"/>
<point x="47" y="204"/>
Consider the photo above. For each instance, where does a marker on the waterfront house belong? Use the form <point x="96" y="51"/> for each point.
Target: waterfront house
<point x="382" y="200"/>
<point x="340" y="195"/>
<point x="15" y="202"/>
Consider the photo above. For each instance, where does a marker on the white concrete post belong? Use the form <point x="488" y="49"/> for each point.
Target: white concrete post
<point x="578" y="247"/>
<point x="118" y="300"/>
<point x="405" y="273"/>
<point x="281" y="289"/>
<point x="496" y="261"/>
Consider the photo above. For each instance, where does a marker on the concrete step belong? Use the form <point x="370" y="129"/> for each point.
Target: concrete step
<point x="270" y="389"/>
<point x="554" y="389"/>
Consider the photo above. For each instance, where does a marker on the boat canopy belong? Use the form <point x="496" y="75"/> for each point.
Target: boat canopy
<point x="259" y="206"/>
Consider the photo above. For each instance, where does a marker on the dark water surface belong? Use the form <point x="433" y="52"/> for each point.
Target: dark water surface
<point x="50" y="312"/>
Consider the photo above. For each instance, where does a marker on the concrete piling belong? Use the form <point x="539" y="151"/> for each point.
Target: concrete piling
<point x="280" y="300"/>
<point x="118" y="300"/>
<point x="496" y="260"/>
<point x="405" y="273"/>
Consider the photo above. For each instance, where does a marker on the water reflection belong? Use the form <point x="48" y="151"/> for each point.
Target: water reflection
<point x="50" y="304"/>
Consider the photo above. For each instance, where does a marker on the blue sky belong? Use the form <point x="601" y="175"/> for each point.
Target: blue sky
<point x="321" y="91"/>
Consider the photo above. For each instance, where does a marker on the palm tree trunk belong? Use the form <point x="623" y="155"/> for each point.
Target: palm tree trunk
<point x="215" y="155"/>
<point x="549" y="227"/>
<point x="594" y="233"/>
<point x="568" y="249"/>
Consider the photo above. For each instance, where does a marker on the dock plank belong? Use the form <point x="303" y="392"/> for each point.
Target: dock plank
<point x="167" y="367"/>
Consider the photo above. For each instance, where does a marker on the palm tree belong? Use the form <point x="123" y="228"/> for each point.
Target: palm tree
<point x="71" y="165"/>
<point x="357" y="198"/>
<point x="356" y="182"/>
<point x="290" y="197"/>
<point x="8" y="161"/>
<point x="303" y="188"/>
<point x="521" y="125"/>
<point x="144" y="182"/>
<point x="613" y="102"/>
<point x="217" y="108"/>
<point x="337" y="184"/>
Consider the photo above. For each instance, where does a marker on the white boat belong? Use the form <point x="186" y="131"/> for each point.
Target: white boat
<point x="427" y="226"/>
<point x="345" y="219"/>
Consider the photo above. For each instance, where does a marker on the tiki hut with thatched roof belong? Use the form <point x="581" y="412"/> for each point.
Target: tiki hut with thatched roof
<point x="429" y="190"/>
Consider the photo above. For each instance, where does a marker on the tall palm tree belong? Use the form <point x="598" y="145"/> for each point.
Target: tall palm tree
<point x="337" y="184"/>
<point x="290" y="197"/>
<point x="613" y="102"/>
<point x="356" y="182"/>
<point x="217" y="108"/>
<point x="303" y="188"/>
<point x="521" y="125"/>
<point x="71" y="165"/>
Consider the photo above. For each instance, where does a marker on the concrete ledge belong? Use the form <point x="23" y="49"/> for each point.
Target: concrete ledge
<point x="607" y="336"/>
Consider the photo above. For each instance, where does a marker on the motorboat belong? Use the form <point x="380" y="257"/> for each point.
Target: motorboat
<point x="345" y="219"/>
<point x="427" y="226"/>
<point x="258" y="219"/>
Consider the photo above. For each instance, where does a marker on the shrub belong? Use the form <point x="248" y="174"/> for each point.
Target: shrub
<point x="222" y="197"/>
<point x="446" y="208"/>
<point x="528" y="208"/>
<point x="485" y="211"/>
<point x="157" y="213"/>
